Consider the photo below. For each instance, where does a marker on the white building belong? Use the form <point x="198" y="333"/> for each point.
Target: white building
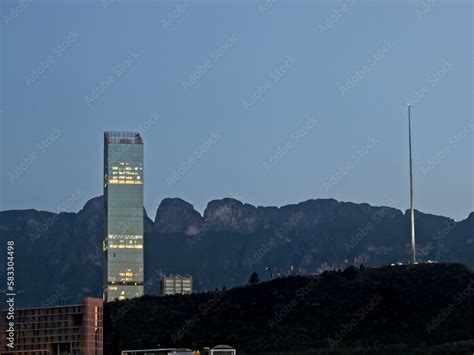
<point x="176" y="284"/>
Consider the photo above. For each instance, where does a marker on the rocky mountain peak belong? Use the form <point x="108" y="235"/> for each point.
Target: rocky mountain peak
<point x="175" y="215"/>
<point x="232" y="215"/>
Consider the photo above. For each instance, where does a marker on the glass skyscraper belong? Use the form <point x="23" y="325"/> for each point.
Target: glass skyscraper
<point x="123" y="193"/>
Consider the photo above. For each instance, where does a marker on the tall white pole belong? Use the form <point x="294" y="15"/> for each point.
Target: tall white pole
<point x="412" y="211"/>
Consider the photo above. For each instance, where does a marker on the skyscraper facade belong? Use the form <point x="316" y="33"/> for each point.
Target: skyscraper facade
<point x="123" y="193"/>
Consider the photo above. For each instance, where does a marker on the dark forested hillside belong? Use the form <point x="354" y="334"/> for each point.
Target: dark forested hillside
<point x="59" y="256"/>
<point x="426" y="306"/>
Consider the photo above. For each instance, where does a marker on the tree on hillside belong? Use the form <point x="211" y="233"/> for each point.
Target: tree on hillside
<point x="254" y="279"/>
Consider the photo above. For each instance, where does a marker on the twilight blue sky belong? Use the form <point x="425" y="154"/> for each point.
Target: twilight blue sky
<point x="270" y="102"/>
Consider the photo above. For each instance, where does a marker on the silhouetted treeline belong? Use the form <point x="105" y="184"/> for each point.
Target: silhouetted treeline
<point x="399" y="308"/>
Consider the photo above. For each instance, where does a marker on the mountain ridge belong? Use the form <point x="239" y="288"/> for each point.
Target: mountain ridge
<point x="230" y="240"/>
<point x="93" y="200"/>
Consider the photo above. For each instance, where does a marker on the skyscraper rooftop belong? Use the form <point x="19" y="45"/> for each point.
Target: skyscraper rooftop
<point x="119" y="137"/>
